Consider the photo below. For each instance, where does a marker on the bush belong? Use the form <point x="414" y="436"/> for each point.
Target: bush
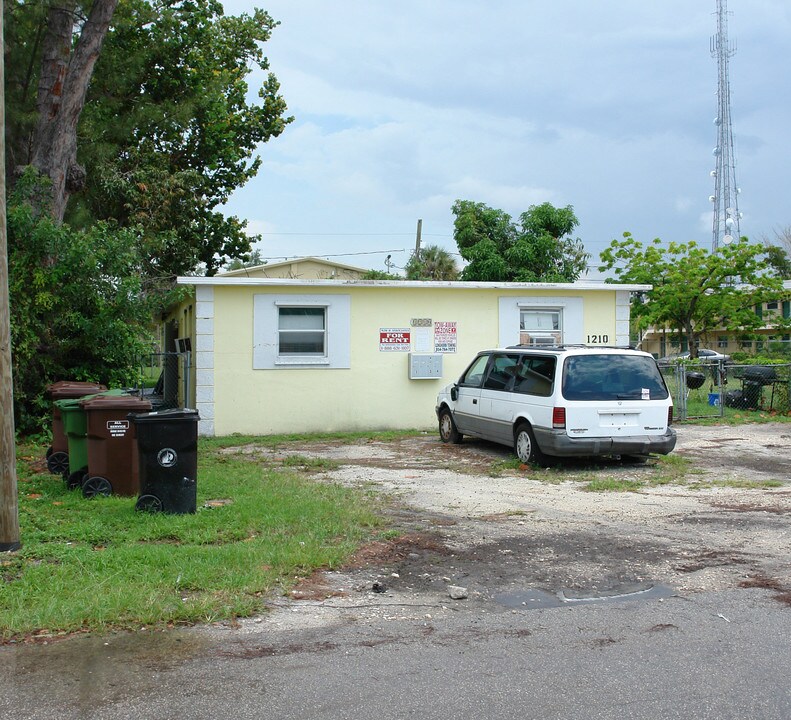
<point x="78" y="307"/>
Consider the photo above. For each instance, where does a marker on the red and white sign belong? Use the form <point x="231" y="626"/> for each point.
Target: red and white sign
<point x="444" y="337"/>
<point x="395" y="339"/>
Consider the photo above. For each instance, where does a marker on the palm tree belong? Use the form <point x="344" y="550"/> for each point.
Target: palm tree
<point x="432" y="263"/>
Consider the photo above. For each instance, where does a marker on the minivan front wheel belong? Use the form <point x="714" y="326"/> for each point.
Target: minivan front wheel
<point x="447" y="428"/>
<point x="525" y="445"/>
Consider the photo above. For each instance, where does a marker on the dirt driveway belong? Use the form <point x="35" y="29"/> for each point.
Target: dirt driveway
<point x="481" y="529"/>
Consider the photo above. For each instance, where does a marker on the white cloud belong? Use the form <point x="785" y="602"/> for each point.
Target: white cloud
<point x="403" y="108"/>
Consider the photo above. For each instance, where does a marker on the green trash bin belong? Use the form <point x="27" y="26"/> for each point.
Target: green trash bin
<point x="76" y="429"/>
<point x="58" y="453"/>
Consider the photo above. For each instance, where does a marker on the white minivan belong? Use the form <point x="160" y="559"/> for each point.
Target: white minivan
<point x="565" y="401"/>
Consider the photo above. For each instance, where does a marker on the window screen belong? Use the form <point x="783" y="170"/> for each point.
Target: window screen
<point x="302" y="331"/>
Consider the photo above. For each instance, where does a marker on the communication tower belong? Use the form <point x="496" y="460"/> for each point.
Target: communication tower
<point x="725" y="226"/>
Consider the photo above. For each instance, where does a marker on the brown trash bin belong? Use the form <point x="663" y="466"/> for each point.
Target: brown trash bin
<point x="58" y="453"/>
<point x="112" y="445"/>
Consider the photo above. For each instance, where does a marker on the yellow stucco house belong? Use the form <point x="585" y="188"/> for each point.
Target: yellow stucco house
<point x="283" y="354"/>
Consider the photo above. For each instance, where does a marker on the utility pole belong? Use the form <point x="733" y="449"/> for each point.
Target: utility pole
<point x="417" y="237"/>
<point x="9" y="503"/>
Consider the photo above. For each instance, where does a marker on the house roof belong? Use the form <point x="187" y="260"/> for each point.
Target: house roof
<point x="265" y="269"/>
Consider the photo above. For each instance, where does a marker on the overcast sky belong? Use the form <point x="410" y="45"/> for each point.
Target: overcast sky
<point x="404" y="107"/>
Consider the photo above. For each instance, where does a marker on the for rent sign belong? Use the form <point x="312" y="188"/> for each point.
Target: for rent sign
<point x="394" y="340"/>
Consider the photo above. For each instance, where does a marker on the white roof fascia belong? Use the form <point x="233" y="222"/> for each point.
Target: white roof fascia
<point x="399" y="284"/>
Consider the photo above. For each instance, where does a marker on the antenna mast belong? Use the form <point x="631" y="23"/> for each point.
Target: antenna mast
<point x="725" y="226"/>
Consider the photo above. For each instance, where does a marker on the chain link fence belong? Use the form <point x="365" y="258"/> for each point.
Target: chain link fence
<point x="166" y="381"/>
<point x="720" y="388"/>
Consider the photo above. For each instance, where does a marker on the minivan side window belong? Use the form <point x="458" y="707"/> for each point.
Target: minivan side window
<point x="473" y="377"/>
<point x="501" y="372"/>
<point x="535" y="375"/>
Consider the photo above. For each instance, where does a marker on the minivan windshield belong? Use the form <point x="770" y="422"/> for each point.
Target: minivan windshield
<point x="612" y="377"/>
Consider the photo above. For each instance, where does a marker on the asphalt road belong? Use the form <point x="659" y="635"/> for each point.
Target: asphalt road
<point x="720" y="656"/>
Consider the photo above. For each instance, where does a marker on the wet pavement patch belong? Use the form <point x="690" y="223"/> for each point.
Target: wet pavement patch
<point x="533" y="598"/>
<point x="522" y="570"/>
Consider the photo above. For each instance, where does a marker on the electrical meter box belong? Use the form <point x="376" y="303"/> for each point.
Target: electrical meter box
<point x="425" y="366"/>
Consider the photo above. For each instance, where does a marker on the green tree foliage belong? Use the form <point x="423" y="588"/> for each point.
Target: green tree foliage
<point x="778" y="252"/>
<point x="80" y="309"/>
<point x="538" y="248"/>
<point x="694" y="291"/>
<point x="380" y="275"/>
<point x="432" y="263"/>
<point x="25" y="24"/>
<point x="68" y="41"/>
<point x="251" y="259"/>
<point x="171" y="135"/>
<point x="169" y="129"/>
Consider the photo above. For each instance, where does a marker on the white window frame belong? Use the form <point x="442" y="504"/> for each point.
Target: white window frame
<point x="266" y="331"/>
<point x="571" y="317"/>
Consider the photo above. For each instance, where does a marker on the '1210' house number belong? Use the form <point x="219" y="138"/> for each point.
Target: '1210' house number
<point x="598" y="339"/>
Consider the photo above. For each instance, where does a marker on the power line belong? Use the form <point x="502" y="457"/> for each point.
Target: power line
<point x="355" y="234"/>
<point x="329" y="255"/>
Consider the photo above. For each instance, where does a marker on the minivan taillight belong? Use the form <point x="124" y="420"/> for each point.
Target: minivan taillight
<point x="670" y="416"/>
<point x="559" y="418"/>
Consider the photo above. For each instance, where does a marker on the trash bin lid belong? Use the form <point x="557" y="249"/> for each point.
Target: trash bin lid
<point x="69" y="404"/>
<point x="114" y="402"/>
<point x="73" y="389"/>
<point x="170" y="415"/>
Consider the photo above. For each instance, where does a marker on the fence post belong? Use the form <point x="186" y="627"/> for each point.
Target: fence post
<point x="681" y="383"/>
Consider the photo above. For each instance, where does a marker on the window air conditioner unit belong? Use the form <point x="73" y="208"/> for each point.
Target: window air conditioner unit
<point x="542" y="340"/>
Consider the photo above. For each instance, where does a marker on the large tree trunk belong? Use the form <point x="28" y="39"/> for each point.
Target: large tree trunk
<point x="63" y="85"/>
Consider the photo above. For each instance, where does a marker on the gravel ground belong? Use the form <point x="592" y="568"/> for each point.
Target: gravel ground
<point x="476" y="523"/>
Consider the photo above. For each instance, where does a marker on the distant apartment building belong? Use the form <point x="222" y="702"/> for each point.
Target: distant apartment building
<point x="775" y="315"/>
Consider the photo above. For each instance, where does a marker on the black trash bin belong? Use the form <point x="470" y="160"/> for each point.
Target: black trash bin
<point x="752" y="392"/>
<point x="167" y="443"/>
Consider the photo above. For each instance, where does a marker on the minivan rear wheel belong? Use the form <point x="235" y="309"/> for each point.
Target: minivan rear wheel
<point x="525" y="445"/>
<point x="448" y="432"/>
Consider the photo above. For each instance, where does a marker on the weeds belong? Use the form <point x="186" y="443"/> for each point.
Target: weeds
<point x="741" y="483"/>
<point x="97" y="564"/>
<point x="309" y="464"/>
<point x="661" y="470"/>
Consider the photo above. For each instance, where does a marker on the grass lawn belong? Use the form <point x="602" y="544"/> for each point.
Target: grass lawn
<point x="95" y="564"/>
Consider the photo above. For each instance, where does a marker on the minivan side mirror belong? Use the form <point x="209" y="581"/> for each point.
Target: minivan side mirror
<point x="454" y="393"/>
